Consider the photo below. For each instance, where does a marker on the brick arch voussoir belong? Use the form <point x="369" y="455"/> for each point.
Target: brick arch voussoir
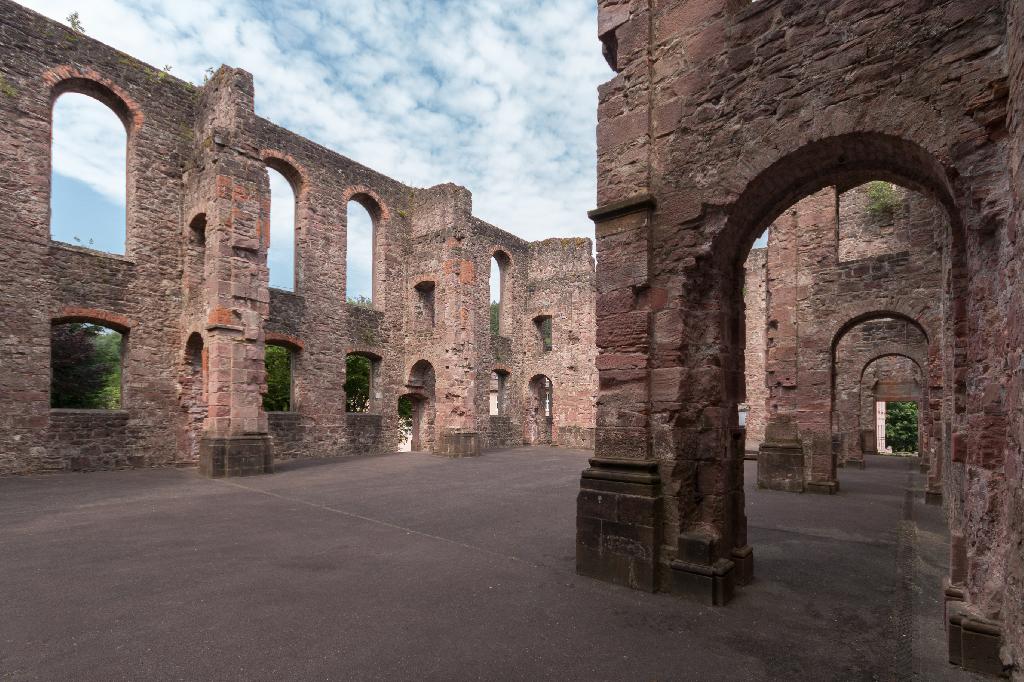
<point x="915" y="355"/>
<point x="911" y="121"/>
<point x="293" y="171"/>
<point x="365" y="352"/>
<point x="83" y="80"/>
<point x="380" y="213"/>
<point x="106" y="318"/>
<point x="290" y="342"/>
<point x="849" y="316"/>
<point x="907" y="142"/>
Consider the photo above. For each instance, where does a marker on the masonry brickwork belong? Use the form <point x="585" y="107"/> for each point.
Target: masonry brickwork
<point x="722" y="115"/>
<point x="192" y="300"/>
<point x="828" y="254"/>
<point x="754" y="297"/>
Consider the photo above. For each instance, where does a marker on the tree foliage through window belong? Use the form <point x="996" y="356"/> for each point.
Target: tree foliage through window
<point x="278" y="397"/>
<point x="86" y="367"/>
<point x="901" y="426"/>
<point x="357" y="383"/>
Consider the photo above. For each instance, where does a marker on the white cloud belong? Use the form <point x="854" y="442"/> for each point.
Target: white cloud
<point x="90" y="144"/>
<point x="281" y="254"/>
<point x="499" y="95"/>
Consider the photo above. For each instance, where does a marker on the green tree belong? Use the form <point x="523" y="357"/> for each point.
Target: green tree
<point x="883" y="199"/>
<point x="360" y="301"/>
<point x="495" y="316"/>
<point x="404" y="417"/>
<point x="108" y="354"/>
<point x="278" y="397"/>
<point x="85" y="367"/>
<point x="357" y="383"/>
<point x="901" y="426"/>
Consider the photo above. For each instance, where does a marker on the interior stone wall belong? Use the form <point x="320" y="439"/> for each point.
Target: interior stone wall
<point x="198" y="219"/>
<point x="754" y="296"/>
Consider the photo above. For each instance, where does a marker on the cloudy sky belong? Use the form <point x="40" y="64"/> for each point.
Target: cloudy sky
<point x="496" y="95"/>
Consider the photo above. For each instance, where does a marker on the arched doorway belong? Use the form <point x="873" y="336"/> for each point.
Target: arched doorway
<point x="417" y="407"/>
<point x="192" y="387"/>
<point x="683" y="409"/>
<point x="539" y="421"/>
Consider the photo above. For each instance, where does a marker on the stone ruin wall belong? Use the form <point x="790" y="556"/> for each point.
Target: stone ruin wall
<point x="879" y="360"/>
<point x="827" y="256"/>
<point x="1011" y="532"/>
<point x="721" y="114"/>
<point x="191" y="293"/>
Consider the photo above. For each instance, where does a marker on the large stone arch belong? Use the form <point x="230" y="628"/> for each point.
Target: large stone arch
<point x="687" y="180"/>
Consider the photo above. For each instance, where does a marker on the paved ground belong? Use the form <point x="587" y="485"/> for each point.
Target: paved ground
<point x="411" y="566"/>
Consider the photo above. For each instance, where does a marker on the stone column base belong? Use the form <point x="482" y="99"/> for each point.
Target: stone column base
<point x="698" y="576"/>
<point x="227" y="456"/>
<point x="855" y="464"/>
<point x="781" y="467"/>
<point x="822" y="487"/>
<point x="743" y="558"/>
<point x="454" y="443"/>
<point x="618" y="522"/>
<point x="974" y="643"/>
<point x="933" y="497"/>
<point x="711" y="585"/>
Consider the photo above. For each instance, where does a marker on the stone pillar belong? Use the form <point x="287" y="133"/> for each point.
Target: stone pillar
<point x="619" y="507"/>
<point x="754" y="292"/>
<point x="456" y="434"/>
<point x="229" y="179"/>
<point x="802" y="252"/>
<point x="780" y="459"/>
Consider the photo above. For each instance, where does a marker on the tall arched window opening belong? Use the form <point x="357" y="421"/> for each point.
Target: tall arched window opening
<point x="359" y="254"/>
<point x="88" y="174"/>
<point x="499" y="270"/>
<point x="281" y="251"/>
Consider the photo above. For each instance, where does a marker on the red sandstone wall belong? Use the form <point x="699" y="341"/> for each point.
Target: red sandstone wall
<point x="41" y="277"/>
<point x="561" y="284"/>
<point x="1014" y="465"/>
<point x="754" y="296"/>
<point x="199" y="156"/>
<point x="877" y="350"/>
<point x="721" y="115"/>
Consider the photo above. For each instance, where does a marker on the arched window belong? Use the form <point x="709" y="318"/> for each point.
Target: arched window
<point x="85" y="367"/>
<point x="499" y="266"/>
<point x="195" y="250"/>
<point x="360" y="253"/>
<point x="281" y="251"/>
<point x="192" y="383"/>
<point x="88" y="174"/>
<point x="278" y="397"/>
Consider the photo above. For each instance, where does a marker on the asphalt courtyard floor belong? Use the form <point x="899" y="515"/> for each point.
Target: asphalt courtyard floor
<point x="410" y="566"/>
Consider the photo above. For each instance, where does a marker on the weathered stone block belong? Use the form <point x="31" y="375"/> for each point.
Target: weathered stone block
<point x="229" y="456"/>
